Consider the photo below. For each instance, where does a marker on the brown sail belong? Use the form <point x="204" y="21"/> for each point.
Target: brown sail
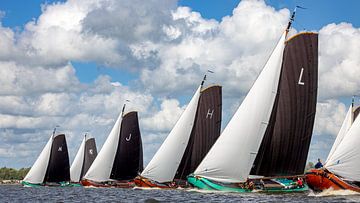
<point x="205" y="132"/>
<point x="285" y="145"/>
<point x="128" y="161"/>
<point x="58" y="169"/>
<point x="90" y="154"/>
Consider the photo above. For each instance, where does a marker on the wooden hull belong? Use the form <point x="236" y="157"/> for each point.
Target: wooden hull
<point x="283" y="185"/>
<point x="146" y="183"/>
<point x="109" y="184"/>
<point x="320" y="179"/>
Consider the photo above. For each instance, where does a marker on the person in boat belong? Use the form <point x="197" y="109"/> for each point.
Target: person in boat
<point x="247" y="185"/>
<point x="300" y="183"/>
<point x="318" y="164"/>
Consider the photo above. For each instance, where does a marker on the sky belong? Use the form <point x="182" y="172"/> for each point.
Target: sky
<point x="74" y="63"/>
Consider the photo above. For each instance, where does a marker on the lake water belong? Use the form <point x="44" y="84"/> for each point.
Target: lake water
<point x="17" y="193"/>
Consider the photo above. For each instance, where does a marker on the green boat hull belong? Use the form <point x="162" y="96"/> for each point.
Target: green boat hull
<point x="60" y="184"/>
<point x="206" y="184"/>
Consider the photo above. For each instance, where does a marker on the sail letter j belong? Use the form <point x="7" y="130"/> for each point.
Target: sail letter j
<point x="128" y="138"/>
<point x="210" y="114"/>
<point x="300" y="78"/>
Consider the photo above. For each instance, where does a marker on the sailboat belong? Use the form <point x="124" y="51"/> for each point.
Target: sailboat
<point x="341" y="170"/>
<point x="83" y="159"/>
<point x="188" y="142"/>
<point x="270" y="133"/>
<point x="52" y="167"/>
<point x="120" y="159"/>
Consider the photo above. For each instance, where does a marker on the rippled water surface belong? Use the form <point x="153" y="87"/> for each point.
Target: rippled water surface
<point x="16" y="193"/>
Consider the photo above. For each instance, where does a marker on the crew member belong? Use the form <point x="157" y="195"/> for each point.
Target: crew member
<point x="318" y="164"/>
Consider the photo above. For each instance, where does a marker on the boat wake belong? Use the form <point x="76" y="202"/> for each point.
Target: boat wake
<point x="331" y="192"/>
<point x="206" y="191"/>
<point x="146" y="188"/>
<point x="217" y="191"/>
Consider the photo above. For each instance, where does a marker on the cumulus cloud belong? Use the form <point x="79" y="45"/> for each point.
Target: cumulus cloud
<point x="329" y="117"/>
<point x="235" y="49"/>
<point x="164" y="119"/>
<point x="18" y="79"/>
<point x="339" y="61"/>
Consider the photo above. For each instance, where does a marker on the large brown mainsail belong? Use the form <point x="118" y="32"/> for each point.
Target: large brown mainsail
<point x="205" y="132"/>
<point x="285" y="145"/>
<point x="128" y="162"/>
<point x="58" y="169"/>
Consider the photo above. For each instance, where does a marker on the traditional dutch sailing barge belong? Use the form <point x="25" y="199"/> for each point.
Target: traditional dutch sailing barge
<point x="83" y="159"/>
<point x="341" y="170"/>
<point x="188" y="142"/>
<point x="120" y="160"/>
<point x="270" y="133"/>
<point x="52" y="167"/>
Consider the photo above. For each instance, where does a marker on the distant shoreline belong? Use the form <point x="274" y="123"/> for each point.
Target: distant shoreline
<point x="10" y="182"/>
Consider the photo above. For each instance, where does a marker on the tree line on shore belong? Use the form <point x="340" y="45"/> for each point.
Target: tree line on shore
<point x="13" y="174"/>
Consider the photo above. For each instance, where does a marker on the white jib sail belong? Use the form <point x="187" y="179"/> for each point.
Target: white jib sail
<point x="345" y="161"/>
<point x="37" y="172"/>
<point x="76" y="166"/>
<point x="342" y="132"/>
<point x="163" y="165"/>
<point x="101" y="168"/>
<point x="231" y="157"/>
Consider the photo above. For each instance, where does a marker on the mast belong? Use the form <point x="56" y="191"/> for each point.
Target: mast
<point x="292" y="18"/>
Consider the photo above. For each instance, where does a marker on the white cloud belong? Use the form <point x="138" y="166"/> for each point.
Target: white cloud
<point x="232" y="48"/>
<point x="329" y="117"/>
<point x="23" y="80"/>
<point x="165" y="118"/>
<point x="339" y="61"/>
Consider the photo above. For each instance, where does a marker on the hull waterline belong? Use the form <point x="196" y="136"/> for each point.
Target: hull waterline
<point x="108" y="184"/>
<point x="60" y="184"/>
<point x="146" y="183"/>
<point x="283" y="185"/>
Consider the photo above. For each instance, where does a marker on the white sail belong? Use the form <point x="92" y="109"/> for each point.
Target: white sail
<point x="163" y="165"/>
<point x="76" y="166"/>
<point x="343" y="130"/>
<point x="101" y="168"/>
<point x="38" y="170"/>
<point x="231" y="157"/>
<point x="345" y="161"/>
